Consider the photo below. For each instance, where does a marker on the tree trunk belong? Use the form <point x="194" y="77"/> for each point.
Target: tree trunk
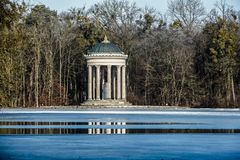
<point x="30" y="94"/>
<point x="36" y="67"/>
<point x="50" y="89"/>
<point x="68" y="73"/>
<point x="24" y="90"/>
<point x="60" y="71"/>
<point x="233" y="91"/>
<point x="36" y="77"/>
<point x="228" y="88"/>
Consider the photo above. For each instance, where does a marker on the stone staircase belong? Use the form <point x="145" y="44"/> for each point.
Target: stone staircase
<point x="106" y="103"/>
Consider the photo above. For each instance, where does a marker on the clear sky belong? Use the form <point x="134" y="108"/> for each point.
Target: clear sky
<point x="159" y="5"/>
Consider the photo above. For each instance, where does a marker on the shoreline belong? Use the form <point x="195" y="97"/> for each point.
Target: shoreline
<point x="112" y="108"/>
<point x="81" y="108"/>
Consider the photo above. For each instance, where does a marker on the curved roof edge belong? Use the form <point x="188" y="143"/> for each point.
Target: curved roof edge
<point x="105" y="47"/>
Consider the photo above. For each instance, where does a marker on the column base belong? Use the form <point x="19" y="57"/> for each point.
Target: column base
<point x="105" y="102"/>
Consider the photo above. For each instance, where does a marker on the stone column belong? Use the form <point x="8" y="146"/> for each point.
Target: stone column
<point x="114" y="86"/>
<point x="89" y="82"/>
<point x="98" y="83"/>
<point x="109" y="82"/>
<point x="123" y="82"/>
<point x="94" y="85"/>
<point x="118" y="82"/>
<point x="102" y="88"/>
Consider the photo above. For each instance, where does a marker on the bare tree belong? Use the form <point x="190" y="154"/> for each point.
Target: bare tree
<point x="118" y="19"/>
<point x="188" y="12"/>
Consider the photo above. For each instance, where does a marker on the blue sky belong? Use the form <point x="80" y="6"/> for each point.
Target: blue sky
<point x="159" y="5"/>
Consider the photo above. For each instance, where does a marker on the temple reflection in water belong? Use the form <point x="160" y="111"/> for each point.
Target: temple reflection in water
<point x="63" y="127"/>
<point x="107" y="130"/>
<point x="38" y="128"/>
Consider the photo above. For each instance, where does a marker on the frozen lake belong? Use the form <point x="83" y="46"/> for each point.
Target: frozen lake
<point x="122" y="134"/>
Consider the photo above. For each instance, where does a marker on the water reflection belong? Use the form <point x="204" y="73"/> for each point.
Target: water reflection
<point x="108" y="130"/>
<point x="42" y="131"/>
<point x="26" y="123"/>
<point x="96" y="127"/>
<point x="23" y="123"/>
<point x="37" y="131"/>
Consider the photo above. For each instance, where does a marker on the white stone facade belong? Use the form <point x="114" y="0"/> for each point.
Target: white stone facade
<point x="106" y="78"/>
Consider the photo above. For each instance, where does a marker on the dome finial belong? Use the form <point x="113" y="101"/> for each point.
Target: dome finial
<point x="105" y="39"/>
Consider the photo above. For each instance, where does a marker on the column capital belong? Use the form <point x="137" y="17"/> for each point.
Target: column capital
<point x="89" y="66"/>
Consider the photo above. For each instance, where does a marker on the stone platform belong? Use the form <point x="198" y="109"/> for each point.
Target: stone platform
<point x="106" y="103"/>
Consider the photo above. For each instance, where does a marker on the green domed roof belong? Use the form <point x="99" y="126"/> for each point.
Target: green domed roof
<point x="105" y="47"/>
